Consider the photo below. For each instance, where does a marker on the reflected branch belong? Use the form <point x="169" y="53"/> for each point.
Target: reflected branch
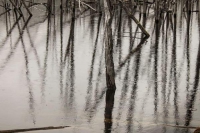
<point x="12" y="51"/>
<point x="89" y="90"/>
<point x="9" y="33"/>
<point x="46" y="58"/>
<point x="192" y="98"/>
<point x="31" y="97"/>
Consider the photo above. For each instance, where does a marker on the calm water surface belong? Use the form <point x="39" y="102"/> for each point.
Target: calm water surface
<point x="54" y="74"/>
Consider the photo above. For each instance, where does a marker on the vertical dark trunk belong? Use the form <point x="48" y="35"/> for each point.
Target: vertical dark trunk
<point x="110" y="71"/>
<point x="110" y="77"/>
<point x="157" y="12"/>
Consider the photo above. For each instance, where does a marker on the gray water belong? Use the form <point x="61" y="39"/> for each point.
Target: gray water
<point x="54" y="74"/>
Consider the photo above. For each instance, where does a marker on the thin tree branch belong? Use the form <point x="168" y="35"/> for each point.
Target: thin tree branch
<point x="32" y="129"/>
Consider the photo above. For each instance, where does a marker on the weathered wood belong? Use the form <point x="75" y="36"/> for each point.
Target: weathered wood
<point x="179" y="126"/>
<point x="32" y="129"/>
<point x="129" y="14"/>
<point x="110" y="71"/>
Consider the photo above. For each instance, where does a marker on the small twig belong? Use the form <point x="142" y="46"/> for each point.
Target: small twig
<point x="83" y="3"/>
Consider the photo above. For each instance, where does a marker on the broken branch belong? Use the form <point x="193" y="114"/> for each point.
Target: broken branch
<point x="32" y="129"/>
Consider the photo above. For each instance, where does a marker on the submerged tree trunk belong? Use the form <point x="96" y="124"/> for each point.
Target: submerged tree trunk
<point x="110" y="72"/>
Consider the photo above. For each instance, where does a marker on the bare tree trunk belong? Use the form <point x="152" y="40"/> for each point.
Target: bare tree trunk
<point x="110" y="71"/>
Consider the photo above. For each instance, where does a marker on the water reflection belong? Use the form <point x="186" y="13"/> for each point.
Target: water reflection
<point x="69" y="65"/>
<point x="156" y="56"/>
<point x="9" y="32"/>
<point x="31" y="96"/>
<point x="82" y="65"/>
<point x="193" y="93"/>
<point x="46" y="57"/>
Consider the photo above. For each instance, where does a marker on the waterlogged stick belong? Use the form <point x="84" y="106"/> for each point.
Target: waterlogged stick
<point x="32" y="129"/>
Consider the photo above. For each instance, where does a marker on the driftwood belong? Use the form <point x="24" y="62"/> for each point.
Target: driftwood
<point x="179" y="126"/>
<point x="188" y="127"/>
<point x="32" y="129"/>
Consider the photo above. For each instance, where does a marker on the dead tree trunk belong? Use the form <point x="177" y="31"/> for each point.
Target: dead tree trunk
<point x="110" y="72"/>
